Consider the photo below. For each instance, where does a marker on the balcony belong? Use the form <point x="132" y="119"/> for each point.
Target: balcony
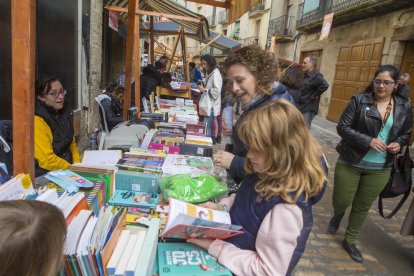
<point x="222" y="17"/>
<point x="251" y="40"/>
<point x="347" y="11"/>
<point x="282" y="27"/>
<point x="257" y="10"/>
<point x="212" y="20"/>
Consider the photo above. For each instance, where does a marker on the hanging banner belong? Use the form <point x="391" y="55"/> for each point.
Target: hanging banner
<point x="113" y="20"/>
<point x="326" y="27"/>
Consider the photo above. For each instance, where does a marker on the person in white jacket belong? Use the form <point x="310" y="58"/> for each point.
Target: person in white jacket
<point x="212" y="86"/>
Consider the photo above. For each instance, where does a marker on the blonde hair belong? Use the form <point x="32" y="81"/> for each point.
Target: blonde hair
<point x="32" y="236"/>
<point x="293" y="156"/>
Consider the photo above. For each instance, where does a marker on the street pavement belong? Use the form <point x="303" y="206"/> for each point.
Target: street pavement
<point x="385" y="251"/>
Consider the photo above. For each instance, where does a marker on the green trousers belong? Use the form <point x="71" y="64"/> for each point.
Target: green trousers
<point x="359" y="187"/>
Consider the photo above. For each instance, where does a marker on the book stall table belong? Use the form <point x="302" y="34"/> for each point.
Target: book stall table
<point x="119" y="220"/>
<point x="161" y="91"/>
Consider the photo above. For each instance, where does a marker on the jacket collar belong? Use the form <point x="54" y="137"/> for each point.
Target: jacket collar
<point x="368" y="99"/>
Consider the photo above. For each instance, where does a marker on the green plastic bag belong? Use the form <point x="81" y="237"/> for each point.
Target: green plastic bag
<point x="192" y="189"/>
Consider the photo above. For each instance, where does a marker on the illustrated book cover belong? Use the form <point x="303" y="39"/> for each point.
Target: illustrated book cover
<point x="187" y="220"/>
<point x="185" y="259"/>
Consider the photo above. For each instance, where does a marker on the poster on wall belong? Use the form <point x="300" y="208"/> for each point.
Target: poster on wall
<point x="113" y="20"/>
<point x="326" y="27"/>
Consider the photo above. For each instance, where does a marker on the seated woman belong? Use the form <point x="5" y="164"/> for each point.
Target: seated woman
<point x="112" y="105"/>
<point x="274" y="203"/>
<point x="32" y="236"/>
<point x="55" y="147"/>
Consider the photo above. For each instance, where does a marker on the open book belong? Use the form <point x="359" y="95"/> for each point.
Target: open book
<point x="186" y="220"/>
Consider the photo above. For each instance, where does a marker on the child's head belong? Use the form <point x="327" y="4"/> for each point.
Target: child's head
<point x="282" y="151"/>
<point x="32" y="235"/>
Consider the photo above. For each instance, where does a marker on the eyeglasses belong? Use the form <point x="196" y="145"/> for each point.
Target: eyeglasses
<point x="56" y="93"/>
<point x="378" y="82"/>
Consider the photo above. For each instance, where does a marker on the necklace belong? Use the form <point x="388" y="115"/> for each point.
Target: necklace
<point x="387" y="112"/>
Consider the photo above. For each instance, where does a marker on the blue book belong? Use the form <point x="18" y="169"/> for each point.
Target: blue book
<point x="185" y="259"/>
<point x="137" y="182"/>
<point x="126" y="198"/>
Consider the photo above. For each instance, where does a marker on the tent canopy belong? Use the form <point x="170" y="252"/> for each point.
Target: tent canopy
<point x="198" y="26"/>
<point x="172" y="28"/>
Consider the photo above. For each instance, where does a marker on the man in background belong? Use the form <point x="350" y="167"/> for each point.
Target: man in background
<point x="313" y="86"/>
<point x="195" y="74"/>
<point x="403" y="85"/>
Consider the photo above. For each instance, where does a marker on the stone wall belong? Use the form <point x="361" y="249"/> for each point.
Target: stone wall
<point x="382" y="26"/>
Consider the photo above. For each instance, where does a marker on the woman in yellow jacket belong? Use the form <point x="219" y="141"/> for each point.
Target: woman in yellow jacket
<point x="55" y="147"/>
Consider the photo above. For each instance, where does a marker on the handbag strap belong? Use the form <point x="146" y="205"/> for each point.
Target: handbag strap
<point x="403" y="199"/>
<point x="398" y="207"/>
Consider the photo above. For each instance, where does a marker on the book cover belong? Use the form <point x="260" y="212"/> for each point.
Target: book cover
<point x="141" y="163"/>
<point x="16" y="187"/>
<point x="184" y="259"/>
<point x="134" y="199"/>
<point x="137" y="182"/>
<point x="187" y="220"/>
<point x="67" y="178"/>
<point x="187" y="164"/>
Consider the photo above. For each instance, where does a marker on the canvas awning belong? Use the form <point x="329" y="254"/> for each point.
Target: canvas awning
<point x="172" y="28"/>
<point x="198" y="26"/>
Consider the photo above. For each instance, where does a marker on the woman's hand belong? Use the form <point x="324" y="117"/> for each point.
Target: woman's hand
<point x="201" y="88"/>
<point x="203" y="243"/>
<point x="210" y="205"/>
<point x="223" y="159"/>
<point x="227" y="131"/>
<point x="378" y="145"/>
<point x="394" y="148"/>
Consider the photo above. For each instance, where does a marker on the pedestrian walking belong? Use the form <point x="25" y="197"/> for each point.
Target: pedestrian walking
<point x="374" y="127"/>
<point x="313" y="86"/>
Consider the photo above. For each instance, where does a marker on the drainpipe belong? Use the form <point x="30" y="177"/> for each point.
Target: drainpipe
<point x="296" y="45"/>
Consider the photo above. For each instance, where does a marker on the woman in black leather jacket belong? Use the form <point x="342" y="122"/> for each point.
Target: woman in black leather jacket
<point x="374" y="127"/>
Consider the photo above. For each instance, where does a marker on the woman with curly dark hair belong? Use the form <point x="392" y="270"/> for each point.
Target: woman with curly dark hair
<point x="251" y="77"/>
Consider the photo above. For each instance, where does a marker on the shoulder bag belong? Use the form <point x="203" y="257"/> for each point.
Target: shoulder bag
<point x="399" y="183"/>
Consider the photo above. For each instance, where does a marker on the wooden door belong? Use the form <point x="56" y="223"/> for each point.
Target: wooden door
<point x="355" y="68"/>
<point x="407" y="66"/>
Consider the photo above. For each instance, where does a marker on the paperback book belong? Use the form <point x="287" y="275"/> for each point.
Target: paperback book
<point x="185" y="259"/>
<point x="141" y="163"/>
<point x="187" y="220"/>
<point x="126" y="198"/>
<point x="187" y="164"/>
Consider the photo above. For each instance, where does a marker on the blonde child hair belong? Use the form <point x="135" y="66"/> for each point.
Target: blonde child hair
<point x="32" y="235"/>
<point x="292" y="154"/>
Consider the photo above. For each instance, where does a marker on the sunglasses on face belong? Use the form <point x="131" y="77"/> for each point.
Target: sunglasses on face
<point x="56" y="93"/>
<point x="378" y="82"/>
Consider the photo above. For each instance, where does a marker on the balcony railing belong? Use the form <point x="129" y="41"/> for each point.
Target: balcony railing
<point x="347" y="11"/>
<point x="251" y="40"/>
<point x="281" y="26"/>
<point x="258" y="7"/>
<point x="222" y="17"/>
<point x="212" y="20"/>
